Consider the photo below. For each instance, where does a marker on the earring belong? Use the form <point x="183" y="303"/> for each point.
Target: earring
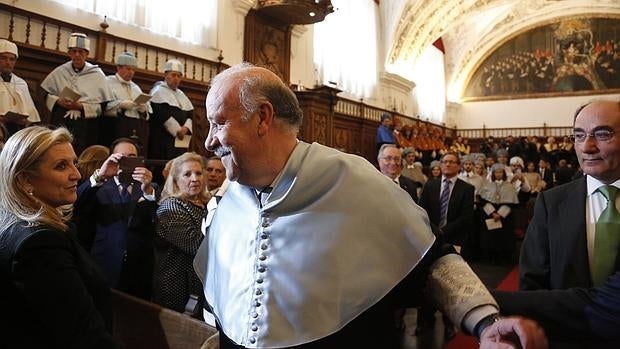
<point x="31" y="193"/>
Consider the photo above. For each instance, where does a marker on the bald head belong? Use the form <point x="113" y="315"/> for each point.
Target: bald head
<point x="254" y="119"/>
<point x="255" y="85"/>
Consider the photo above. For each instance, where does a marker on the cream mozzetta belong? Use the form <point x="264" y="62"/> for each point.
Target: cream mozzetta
<point x="328" y="244"/>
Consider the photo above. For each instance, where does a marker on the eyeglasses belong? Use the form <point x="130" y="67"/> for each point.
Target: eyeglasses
<point x="599" y="135"/>
<point x="391" y="158"/>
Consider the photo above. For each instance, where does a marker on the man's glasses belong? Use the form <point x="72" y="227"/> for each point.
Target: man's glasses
<point x="599" y="135"/>
<point x="391" y="158"/>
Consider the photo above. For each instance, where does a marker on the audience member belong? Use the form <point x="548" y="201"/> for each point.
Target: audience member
<point x="390" y="164"/>
<point x="449" y="203"/>
<point x="281" y="182"/>
<point x="79" y="112"/>
<point x="497" y="199"/>
<point x="14" y="94"/>
<point x="537" y="184"/>
<point x="564" y="173"/>
<point x="435" y="170"/>
<point x="123" y="116"/>
<point x="565" y="246"/>
<point x="215" y="173"/>
<point x="546" y="173"/>
<point x="91" y="159"/>
<point x="384" y="132"/>
<point x="178" y="235"/>
<point x="122" y="211"/>
<point x="51" y="294"/>
<point x="411" y="168"/>
<point x="172" y="115"/>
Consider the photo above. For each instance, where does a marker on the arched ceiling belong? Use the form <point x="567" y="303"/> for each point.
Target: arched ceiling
<point x="470" y="29"/>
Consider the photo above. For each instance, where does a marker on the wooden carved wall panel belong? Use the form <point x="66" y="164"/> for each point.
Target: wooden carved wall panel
<point x="342" y="140"/>
<point x="268" y="44"/>
<point x="319" y="128"/>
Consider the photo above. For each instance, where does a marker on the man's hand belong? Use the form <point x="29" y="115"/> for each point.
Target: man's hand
<point x="513" y="332"/>
<point x="182" y="132"/>
<point x="127" y="104"/>
<point x="144" y="176"/>
<point x="110" y="166"/>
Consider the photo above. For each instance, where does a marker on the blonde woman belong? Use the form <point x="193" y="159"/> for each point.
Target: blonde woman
<point x="52" y="293"/>
<point x="178" y="234"/>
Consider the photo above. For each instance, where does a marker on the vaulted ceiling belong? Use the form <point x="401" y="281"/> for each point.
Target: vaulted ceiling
<point x="470" y="29"/>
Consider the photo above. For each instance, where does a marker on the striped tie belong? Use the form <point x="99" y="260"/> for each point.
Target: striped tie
<point x="443" y="203"/>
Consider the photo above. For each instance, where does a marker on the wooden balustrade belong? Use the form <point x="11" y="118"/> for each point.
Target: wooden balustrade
<point x="328" y="119"/>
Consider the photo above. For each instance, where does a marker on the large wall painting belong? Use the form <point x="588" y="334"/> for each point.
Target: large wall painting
<point x="571" y="56"/>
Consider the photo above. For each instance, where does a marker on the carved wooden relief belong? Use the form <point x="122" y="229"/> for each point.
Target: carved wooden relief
<point x="268" y="44"/>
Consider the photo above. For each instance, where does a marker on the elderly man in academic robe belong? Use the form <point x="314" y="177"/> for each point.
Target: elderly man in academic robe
<point x="77" y="93"/>
<point x="124" y="116"/>
<point x="15" y="99"/>
<point x="171" y="122"/>
<point x="311" y="247"/>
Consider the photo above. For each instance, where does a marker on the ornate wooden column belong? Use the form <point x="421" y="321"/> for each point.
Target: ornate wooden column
<point x="318" y="107"/>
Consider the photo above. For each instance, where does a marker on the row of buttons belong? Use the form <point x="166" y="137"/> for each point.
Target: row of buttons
<point x="262" y="268"/>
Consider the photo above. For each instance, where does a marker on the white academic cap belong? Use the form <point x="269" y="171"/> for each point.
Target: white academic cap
<point x="7" y="46"/>
<point x="173" y="65"/>
<point x="79" y="40"/>
<point x="126" y="58"/>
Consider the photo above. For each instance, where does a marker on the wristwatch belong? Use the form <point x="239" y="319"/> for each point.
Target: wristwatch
<point x="97" y="177"/>
<point x="484" y="323"/>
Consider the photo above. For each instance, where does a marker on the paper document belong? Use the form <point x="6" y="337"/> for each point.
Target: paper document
<point x="492" y="224"/>
<point x="68" y="93"/>
<point x="142" y="98"/>
<point x="182" y="143"/>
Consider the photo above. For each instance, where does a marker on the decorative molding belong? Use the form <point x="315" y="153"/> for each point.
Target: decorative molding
<point x="397" y="82"/>
<point x="299" y="30"/>
<point x="242" y="7"/>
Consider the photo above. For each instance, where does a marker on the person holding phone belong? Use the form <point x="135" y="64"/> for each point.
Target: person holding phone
<point x="119" y="200"/>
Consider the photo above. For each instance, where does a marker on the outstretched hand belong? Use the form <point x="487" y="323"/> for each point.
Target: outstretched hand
<point x="513" y="332"/>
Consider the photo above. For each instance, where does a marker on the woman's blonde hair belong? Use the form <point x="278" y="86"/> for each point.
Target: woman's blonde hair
<point x="91" y="159"/>
<point x="22" y="154"/>
<point x="171" y="189"/>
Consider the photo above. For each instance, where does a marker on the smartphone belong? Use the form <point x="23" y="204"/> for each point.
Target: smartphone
<point x="126" y="166"/>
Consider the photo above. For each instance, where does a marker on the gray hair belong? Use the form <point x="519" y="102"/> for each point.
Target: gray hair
<point x="383" y="148"/>
<point x="259" y="85"/>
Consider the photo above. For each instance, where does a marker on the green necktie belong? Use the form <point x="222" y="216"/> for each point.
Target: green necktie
<point x="607" y="238"/>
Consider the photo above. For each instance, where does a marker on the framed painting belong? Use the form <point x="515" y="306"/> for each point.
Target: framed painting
<point x="577" y="55"/>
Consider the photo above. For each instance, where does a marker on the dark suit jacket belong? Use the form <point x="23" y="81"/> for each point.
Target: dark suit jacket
<point x="548" y="178"/>
<point x="410" y="186"/>
<point x="571" y="314"/>
<point x="460" y="209"/>
<point x="51" y="293"/>
<point x="554" y="253"/>
<point x="120" y="225"/>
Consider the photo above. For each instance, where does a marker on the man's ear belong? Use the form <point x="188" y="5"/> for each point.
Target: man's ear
<point x="266" y="118"/>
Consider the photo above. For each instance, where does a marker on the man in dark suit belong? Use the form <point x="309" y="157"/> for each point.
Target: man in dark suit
<point x="454" y="219"/>
<point x="123" y="214"/>
<point x="391" y="164"/>
<point x="560" y="249"/>
<point x="573" y="314"/>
